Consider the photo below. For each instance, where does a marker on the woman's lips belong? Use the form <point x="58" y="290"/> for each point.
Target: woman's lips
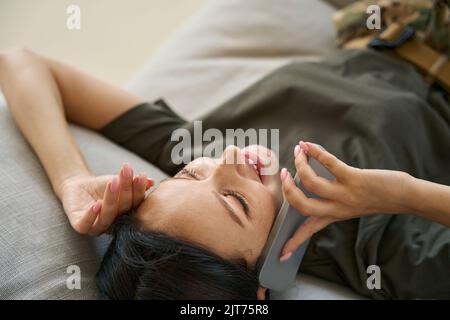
<point x="255" y="161"/>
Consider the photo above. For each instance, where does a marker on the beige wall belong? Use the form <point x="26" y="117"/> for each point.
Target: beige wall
<point x="115" y="39"/>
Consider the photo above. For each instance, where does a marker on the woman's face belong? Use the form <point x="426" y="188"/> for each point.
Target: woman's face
<point x="226" y="205"/>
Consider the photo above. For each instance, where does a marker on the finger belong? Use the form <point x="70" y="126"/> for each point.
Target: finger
<point x="261" y="293"/>
<point x="139" y="187"/>
<point x="312" y="182"/>
<point x="304" y="205"/>
<point x="150" y="183"/>
<point x="109" y="207"/>
<point x="126" y="188"/>
<point x="303" y="233"/>
<point x="85" y="224"/>
<point x="338" y="168"/>
<point x="296" y="197"/>
<point x="291" y="192"/>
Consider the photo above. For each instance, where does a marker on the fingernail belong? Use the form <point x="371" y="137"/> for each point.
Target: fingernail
<point x="115" y="184"/>
<point x="142" y="178"/>
<point x="304" y="146"/>
<point x="286" y="257"/>
<point x="296" y="150"/>
<point x="96" y="208"/>
<point x="127" y="171"/>
<point x="150" y="182"/>
<point x="283" y="173"/>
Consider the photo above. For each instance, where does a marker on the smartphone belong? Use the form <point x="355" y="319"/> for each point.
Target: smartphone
<point x="272" y="273"/>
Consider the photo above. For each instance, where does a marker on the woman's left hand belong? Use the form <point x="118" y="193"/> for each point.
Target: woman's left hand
<point x="354" y="193"/>
<point x="93" y="203"/>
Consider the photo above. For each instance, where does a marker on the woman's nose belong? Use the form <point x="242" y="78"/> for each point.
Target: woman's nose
<point x="232" y="165"/>
<point x="232" y="155"/>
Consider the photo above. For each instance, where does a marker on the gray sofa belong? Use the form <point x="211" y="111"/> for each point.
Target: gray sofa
<point x="224" y="48"/>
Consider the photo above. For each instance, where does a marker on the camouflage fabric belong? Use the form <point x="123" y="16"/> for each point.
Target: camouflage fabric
<point x="430" y="19"/>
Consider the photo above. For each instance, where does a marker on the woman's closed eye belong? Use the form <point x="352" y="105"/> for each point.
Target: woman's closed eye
<point x="240" y="198"/>
<point x="190" y="172"/>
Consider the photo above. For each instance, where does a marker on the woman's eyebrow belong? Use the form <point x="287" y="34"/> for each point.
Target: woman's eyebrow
<point x="174" y="178"/>
<point x="229" y="209"/>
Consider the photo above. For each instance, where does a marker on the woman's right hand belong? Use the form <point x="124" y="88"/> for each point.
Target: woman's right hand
<point x="354" y="193"/>
<point x="93" y="203"/>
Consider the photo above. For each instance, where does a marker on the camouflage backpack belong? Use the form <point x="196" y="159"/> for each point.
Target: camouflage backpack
<point x="429" y="18"/>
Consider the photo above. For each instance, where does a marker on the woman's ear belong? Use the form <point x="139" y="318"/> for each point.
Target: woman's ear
<point x="261" y="293"/>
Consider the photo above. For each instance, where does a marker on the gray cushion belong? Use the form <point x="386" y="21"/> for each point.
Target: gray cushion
<point x="229" y="45"/>
<point x="37" y="244"/>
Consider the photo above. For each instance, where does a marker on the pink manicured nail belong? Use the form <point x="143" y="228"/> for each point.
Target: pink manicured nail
<point x="304" y="147"/>
<point x="150" y="182"/>
<point x="283" y="173"/>
<point x="286" y="257"/>
<point x="142" y="178"/>
<point x="97" y="206"/>
<point x="115" y="185"/>
<point x="127" y="171"/>
<point x="296" y="150"/>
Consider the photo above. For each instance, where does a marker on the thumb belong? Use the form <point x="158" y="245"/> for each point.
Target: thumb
<point x="84" y="224"/>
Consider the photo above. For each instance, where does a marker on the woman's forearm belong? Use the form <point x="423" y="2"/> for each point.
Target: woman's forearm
<point x="36" y="105"/>
<point x="430" y="200"/>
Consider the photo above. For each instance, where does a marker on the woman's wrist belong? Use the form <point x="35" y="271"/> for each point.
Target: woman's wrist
<point x="388" y="191"/>
<point x="406" y="201"/>
<point x="64" y="180"/>
<point x="420" y="202"/>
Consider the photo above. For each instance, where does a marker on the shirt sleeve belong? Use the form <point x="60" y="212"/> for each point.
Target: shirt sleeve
<point x="146" y="130"/>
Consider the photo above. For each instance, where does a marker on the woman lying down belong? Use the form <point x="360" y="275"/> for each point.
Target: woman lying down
<point x="199" y="233"/>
